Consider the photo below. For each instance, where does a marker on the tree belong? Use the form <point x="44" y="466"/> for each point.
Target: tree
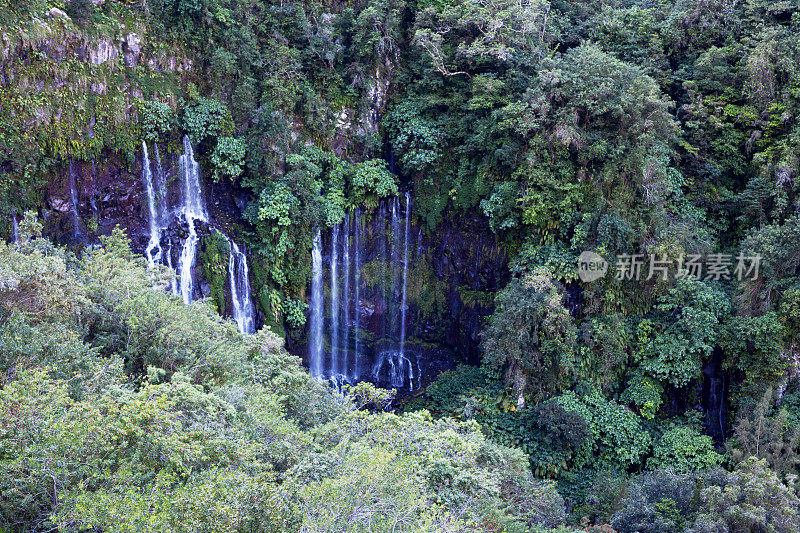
<point x="531" y="335"/>
<point x="682" y="331"/>
<point x="765" y="433"/>
<point x="751" y="498"/>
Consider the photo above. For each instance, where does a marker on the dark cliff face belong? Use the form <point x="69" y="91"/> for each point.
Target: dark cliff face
<point x="104" y="194"/>
<point x="452" y="273"/>
<point x="466" y="257"/>
<point x="108" y="193"/>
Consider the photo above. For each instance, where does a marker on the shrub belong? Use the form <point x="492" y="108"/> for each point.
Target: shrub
<point x="157" y="118"/>
<point x="684" y="449"/>
<point x="228" y="158"/>
<point x="205" y="117"/>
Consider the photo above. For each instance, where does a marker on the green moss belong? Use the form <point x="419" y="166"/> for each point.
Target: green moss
<point x="214" y="259"/>
<point x="471" y="298"/>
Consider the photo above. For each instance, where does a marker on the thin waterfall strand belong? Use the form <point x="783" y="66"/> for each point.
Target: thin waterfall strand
<point x="14" y="228"/>
<point x="334" y="301"/>
<point x="73" y="197"/>
<point x="173" y="284"/>
<point x="153" y="250"/>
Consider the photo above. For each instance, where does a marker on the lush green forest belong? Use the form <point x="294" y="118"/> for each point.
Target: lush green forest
<point x="462" y="157"/>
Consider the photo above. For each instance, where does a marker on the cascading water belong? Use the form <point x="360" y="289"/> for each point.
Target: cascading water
<point x="356" y="298"/>
<point x="358" y="245"/>
<point x="193" y="210"/>
<point x="399" y="365"/>
<point x="153" y="250"/>
<point x="243" y="311"/>
<point x="317" y="317"/>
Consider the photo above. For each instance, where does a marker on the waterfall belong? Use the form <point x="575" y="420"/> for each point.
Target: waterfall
<point x="405" y="280"/>
<point x="153" y="250"/>
<point x="369" y="259"/>
<point x="186" y="263"/>
<point x="399" y="365"/>
<point x="243" y="312"/>
<point x="73" y="196"/>
<point x="356" y="299"/>
<point x="192" y="211"/>
<point x="317" y="317"/>
<point x="345" y="346"/>
<point x="334" y="301"/>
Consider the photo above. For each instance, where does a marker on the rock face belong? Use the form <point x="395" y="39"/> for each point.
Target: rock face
<point x="55" y="13"/>
<point x="106" y="194"/>
<point x="103" y="50"/>
<point x="103" y="196"/>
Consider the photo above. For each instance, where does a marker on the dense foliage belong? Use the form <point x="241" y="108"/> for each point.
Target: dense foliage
<point x="664" y="403"/>
<point x="124" y="410"/>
